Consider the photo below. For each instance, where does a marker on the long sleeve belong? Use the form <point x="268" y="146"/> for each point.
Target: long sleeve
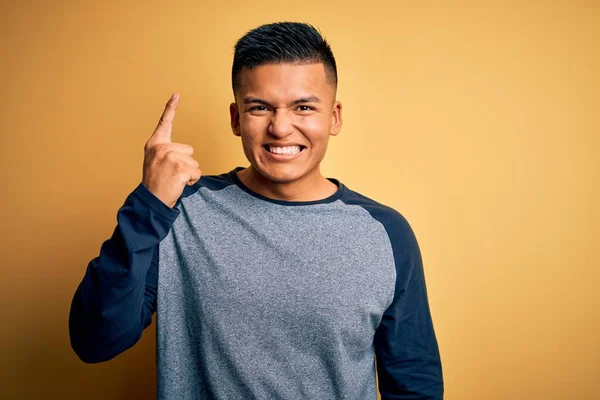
<point x="408" y="359"/>
<point x="115" y="301"/>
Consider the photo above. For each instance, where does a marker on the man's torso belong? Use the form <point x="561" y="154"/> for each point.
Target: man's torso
<point x="269" y="300"/>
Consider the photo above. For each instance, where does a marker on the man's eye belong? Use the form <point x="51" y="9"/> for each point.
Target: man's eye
<point x="304" y="108"/>
<point x="258" y="108"/>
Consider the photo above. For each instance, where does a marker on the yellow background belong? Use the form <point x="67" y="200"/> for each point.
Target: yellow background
<point x="477" y="121"/>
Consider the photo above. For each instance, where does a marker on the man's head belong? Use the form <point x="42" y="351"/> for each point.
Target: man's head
<point x="282" y="43"/>
<point x="284" y="80"/>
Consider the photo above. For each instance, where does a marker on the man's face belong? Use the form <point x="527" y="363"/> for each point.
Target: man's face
<point x="285" y="114"/>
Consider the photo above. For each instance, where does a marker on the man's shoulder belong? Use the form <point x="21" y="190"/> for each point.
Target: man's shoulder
<point x="394" y="222"/>
<point x="211" y="182"/>
<point x="216" y="182"/>
<point x="381" y="210"/>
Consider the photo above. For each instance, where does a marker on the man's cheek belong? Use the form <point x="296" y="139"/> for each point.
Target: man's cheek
<point x="259" y="126"/>
<point x="315" y="127"/>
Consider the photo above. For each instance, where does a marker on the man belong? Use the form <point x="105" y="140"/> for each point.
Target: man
<point x="271" y="281"/>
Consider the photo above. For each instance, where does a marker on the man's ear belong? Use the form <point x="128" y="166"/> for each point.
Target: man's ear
<point x="336" y="119"/>
<point x="235" y="119"/>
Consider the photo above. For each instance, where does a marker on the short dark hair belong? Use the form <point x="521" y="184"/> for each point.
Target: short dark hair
<point x="282" y="42"/>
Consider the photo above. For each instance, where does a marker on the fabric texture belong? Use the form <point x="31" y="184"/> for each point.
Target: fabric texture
<point x="265" y="299"/>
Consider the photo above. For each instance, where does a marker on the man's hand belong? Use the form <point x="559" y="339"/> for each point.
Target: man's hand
<point x="168" y="167"/>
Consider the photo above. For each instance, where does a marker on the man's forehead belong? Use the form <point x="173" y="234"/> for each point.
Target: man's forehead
<point x="282" y="78"/>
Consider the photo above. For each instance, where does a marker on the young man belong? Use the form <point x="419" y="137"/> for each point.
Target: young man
<point x="271" y="281"/>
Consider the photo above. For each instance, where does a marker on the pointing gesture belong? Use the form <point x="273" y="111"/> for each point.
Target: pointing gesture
<point x="168" y="167"/>
<point x="162" y="133"/>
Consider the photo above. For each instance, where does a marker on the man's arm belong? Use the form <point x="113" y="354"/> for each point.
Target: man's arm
<point x="117" y="296"/>
<point x="115" y="300"/>
<point x="408" y="359"/>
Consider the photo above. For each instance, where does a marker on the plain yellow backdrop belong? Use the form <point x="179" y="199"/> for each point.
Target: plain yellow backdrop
<point x="478" y="121"/>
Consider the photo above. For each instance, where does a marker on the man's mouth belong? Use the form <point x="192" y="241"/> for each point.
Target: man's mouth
<point x="284" y="150"/>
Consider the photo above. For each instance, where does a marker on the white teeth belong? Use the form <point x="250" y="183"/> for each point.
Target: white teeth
<point x="285" y="150"/>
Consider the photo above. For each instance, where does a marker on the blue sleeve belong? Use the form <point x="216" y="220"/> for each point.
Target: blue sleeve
<point x="115" y="301"/>
<point x="408" y="359"/>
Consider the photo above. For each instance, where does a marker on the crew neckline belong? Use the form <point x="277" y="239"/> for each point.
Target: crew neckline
<point x="333" y="197"/>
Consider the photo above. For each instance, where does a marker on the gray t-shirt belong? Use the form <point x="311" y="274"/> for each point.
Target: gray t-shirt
<point x="263" y="299"/>
<point x="266" y="299"/>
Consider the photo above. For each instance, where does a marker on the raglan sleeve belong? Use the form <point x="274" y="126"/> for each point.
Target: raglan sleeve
<point x="116" y="298"/>
<point x="407" y="353"/>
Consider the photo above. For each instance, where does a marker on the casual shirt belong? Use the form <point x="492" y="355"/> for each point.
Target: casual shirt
<point x="259" y="298"/>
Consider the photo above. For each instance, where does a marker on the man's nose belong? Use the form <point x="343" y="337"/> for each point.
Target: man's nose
<point x="281" y="123"/>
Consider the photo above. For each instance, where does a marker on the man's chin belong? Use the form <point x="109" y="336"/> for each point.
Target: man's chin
<point x="281" y="179"/>
<point x="283" y="176"/>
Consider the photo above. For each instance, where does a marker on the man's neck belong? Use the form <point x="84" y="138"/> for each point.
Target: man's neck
<point x="310" y="188"/>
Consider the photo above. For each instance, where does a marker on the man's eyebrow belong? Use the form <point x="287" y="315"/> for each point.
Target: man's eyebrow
<point x="308" y="99"/>
<point x="250" y="100"/>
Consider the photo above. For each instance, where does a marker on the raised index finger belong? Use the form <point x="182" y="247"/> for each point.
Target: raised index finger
<point x="162" y="133"/>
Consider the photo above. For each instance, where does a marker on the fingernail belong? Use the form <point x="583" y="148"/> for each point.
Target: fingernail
<point x="175" y="95"/>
